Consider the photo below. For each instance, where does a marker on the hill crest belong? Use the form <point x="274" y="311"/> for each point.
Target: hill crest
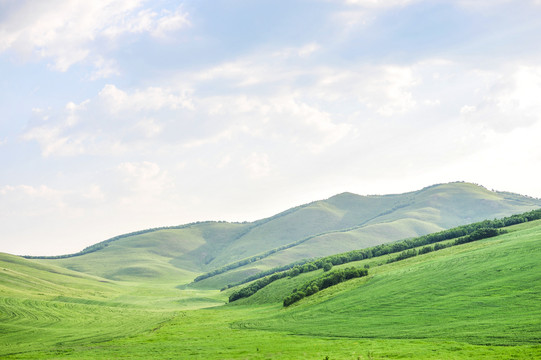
<point x="343" y="222"/>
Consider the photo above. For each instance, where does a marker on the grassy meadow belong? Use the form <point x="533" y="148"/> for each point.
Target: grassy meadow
<point x="479" y="300"/>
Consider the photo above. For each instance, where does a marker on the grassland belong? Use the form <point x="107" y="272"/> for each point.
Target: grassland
<point x="44" y="307"/>
<point x="479" y="300"/>
<point x="486" y="292"/>
<point x="341" y="223"/>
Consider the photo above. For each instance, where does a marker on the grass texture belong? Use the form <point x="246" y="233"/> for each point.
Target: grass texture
<point x="479" y="300"/>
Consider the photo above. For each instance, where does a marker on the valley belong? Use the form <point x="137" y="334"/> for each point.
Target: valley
<point x="135" y="297"/>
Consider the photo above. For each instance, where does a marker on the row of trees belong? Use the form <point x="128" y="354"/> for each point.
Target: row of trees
<point x="338" y="276"/>
<point x="478" y="234"/>
<point x="375" y="251"/>
<point x="249" y="260"/>
<point x="267" y="272"/>
<point x="295" y="271"/>
<point x="329" y="279"/>
<point x="462" y="234"/>
<point x="457" y="232"/>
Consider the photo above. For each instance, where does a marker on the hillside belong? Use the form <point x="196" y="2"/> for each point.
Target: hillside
<point x="33" y="279"/>
<point x="485" y="292"/>
<point x="340" y="223"/>
<point x="43" y="306"/>
<point x="406" y="215"/>
<point x="478" y="300"/>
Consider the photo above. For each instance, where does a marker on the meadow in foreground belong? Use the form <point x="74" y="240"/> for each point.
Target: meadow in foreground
<point x="474" y="301"/>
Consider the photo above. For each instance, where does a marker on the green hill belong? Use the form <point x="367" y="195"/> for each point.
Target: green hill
<point x="44" y="306"/>
<point x="33" y="279"/>
<point x="159" y="255"/>
<point x="485" y="292"/>
<point x="393" y="217"/>
<point x="478" y="300"/>
<point x="340" y="223"/>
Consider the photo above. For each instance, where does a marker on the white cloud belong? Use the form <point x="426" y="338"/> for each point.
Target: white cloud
<point x="145" y="187"/>
<point x="225" y="161"/>
<point x="35" y="192"/>
<point x="146" y="20"/>
<point x="52" y="141"/>
<point x="363" y="12"/>
<point x="151" y="98"/>
<point x="397" y="82"/>
<point x="199" y="128"/>
<point x="309" y="111"/>
<point x="314" y="117"/>
<point x="306" y="126"/>
<point x="94" y="193"/>
<point x="212" y="139"/>
<point x="30" y="200"/>
<point x="483" y="4"/>
<point x="511" y="100"/>
<point x="67" y="31"/>
<point x="149" y="127"/>
<point x="169" y="22"/>
<point x="114" y="122"/>
<point x="467" y="109"/>
<point x="104" y="68"/>
<point x="145" y="178"/>
<point x="471" y="4"/>
<point x="302" y="51"/>
<point x="283" y="118"/>
<point x="385" y="90"/>
<point x="258" y="165"/>
<point x="376" y="4"/>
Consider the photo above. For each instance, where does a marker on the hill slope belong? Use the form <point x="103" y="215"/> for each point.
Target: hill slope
<point x="340" y="223"/>
<point x="485" y="292"/>
<point x="406" y="215"/>
<point x="462" y="302"/>
<point x="478" y="300"/>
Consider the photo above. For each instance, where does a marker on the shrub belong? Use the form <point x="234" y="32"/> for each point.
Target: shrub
<point x="327" y="280"/>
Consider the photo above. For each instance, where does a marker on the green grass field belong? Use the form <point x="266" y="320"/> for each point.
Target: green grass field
<point x="341" y="223"/>
<point x="480" y="300"/>
<point x="486" y="292"/>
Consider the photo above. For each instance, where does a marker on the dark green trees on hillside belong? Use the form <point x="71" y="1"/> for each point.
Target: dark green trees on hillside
<point x="327" y="266"/>
<point x="329" y="279"/>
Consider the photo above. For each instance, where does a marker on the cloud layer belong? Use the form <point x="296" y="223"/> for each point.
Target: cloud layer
<point x="67" y="33"/>
<point x="135" y="114"/>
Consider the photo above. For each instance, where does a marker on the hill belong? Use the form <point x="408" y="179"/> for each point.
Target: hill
<point x="484" y="292"/>
<point x="477" y="300"/>
<point x="43" y="306"/>
<point x="234" y="251"/>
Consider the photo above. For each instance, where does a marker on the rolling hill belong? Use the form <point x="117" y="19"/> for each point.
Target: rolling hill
<point x="483" y="292"/>
<point x="475" y="300"/>
<point x="340" y="223"/>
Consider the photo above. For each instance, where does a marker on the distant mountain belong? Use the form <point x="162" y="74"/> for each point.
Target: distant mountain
<point x="343" y="222"/>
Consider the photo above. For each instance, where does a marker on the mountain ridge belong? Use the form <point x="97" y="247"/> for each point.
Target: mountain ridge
<point x="343" y="222"/>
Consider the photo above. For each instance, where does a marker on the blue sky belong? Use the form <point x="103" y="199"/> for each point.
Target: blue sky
<point x="121" y="115"/>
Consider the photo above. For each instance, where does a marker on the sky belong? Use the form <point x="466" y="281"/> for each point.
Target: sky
<point x="123" y="115"/>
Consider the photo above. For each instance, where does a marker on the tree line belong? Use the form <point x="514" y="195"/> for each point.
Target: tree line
<point x="478" y="234"/>
<point x="247" y="261"/>
<point x="398" y="246"/>
<point x="376" y="250"/>
<point x="251" y="289"/>
<point x="462" y="234"/>
<point x="267" y="272"/>
<point x="330" y="279"/>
